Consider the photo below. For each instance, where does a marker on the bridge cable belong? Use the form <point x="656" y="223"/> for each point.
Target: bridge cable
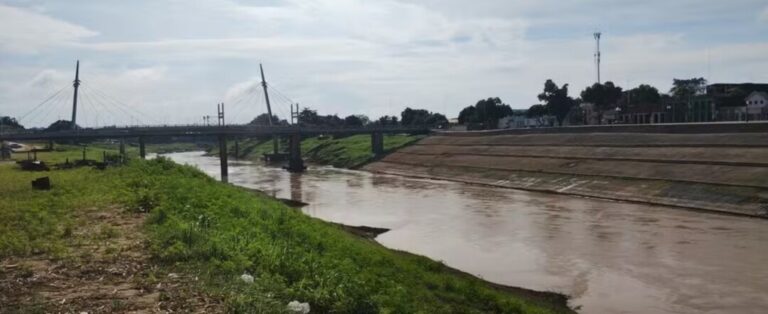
<point x="108" y="101"/>
<point x="122" y="105"/>
<point x="53" y="106"/>
<point x="42" y="103"/>
<point x="242" y="108"/>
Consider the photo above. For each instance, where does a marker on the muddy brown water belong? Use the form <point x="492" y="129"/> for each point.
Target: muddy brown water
<point x="609" y="257"/>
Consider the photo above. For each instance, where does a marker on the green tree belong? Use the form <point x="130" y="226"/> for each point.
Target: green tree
<point x="536" y="111"/>
<point x="644" y="94"/>
<point x="263" y="120"/>
<point x="8" y="123"/>
<point x="61" y="125"/>
<point x="686" y="88"/>
<point x="603" y="96"/>
<point x="353" y="121"/>
<point x="387" y="120"/>
<point x="557" y="101"/>
<point x="486" y="112"/>
<point x="421" y="117"/>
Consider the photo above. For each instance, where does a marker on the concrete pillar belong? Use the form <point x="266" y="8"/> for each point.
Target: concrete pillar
<point x="142" y="150"/>
<point x="237" y="149"/>
<point x="122" y="147"/>
<point x="377" y="143"/>
<point x="295" y="163"/>
<point x="223" y="158"/>
<point x="275" y="144"/>
<point x="50" y="145"/>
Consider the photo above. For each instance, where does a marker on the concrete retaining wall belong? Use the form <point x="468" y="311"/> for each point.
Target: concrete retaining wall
<point x="717" y="172"/>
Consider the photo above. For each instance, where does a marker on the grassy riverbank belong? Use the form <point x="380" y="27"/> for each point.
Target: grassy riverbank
<point x="198" y="228"/>
<point x="346" y="152"/>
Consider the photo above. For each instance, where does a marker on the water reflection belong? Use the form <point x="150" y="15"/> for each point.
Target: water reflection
<point x="611" y="257"/>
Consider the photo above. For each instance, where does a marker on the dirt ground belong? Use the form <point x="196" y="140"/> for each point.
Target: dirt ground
<point x="106" y="270"/>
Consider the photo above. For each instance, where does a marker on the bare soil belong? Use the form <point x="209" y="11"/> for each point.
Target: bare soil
<point x="106" y="270"/>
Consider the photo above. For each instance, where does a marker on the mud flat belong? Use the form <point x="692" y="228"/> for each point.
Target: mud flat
<point x="724" y="172"/>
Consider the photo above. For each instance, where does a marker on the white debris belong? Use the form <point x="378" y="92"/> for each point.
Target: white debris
<point x="298" y="307"/>
<point x="246" y="278"/>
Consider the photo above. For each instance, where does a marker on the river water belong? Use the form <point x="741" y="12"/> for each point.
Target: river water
<point x="610" y="257"/>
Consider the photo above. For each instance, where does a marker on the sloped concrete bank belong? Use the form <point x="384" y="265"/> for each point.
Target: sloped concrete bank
<point x="724" y="172"/>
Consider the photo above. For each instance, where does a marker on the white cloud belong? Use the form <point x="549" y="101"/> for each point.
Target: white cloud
<point x="179" y="58"/>
<point x="26" y="31"/>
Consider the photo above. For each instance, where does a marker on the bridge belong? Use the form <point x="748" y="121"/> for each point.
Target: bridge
<point x="221" y="131"/>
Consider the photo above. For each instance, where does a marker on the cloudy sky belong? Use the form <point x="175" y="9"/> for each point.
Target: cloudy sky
<point x="172" y="61"/>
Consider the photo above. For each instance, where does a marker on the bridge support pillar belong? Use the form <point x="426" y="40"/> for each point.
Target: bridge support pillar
<point x="223" y="158"/>
<point x="275" y="144"/>
<point x="142" y="149"/>
<point x="295" y="163"/>
<point x="50" y="145"/>
<point x="377" y="143"/>
<point x="237" y="149"/>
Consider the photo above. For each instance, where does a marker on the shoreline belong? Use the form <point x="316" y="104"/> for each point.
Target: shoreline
<point x="635" y="200"/>
<point x="555" y="300"/>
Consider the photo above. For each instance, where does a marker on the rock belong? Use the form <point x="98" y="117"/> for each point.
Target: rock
<point x="298" y="307"/>
<point x="43" y="183"/>
<point x="246" y="278"/>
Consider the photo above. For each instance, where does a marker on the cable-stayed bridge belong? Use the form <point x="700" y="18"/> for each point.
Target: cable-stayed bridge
<point x="103" y="108"/>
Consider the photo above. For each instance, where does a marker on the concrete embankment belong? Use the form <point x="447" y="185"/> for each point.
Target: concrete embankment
<point x="724" y="172"/>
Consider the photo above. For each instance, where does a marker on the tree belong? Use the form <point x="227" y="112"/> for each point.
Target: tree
<point x="686" y="88"/>
<point x="536" y="111"/>
<point x="486" y="112"/>
<point x="387" y="120"/>
<point x="421" y="117"/>
<point x="644" y="94"/>
<point x="603" y="96"/>
<point x="353" y="121"/>
<point x="308" y="117"/>
<point x="8" y="123"/>
<point x="263" y="120"/>
<point x="61" y="125"/>
<point x="467" y="115"/>
<point x="363" y="118"/>
<point x="557" y="101"/>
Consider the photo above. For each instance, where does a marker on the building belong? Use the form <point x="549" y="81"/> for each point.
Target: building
<point x="730" y="99"/>
<point x="757" y="105"/>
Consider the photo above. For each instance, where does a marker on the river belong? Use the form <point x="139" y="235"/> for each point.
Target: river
<point x="610" y="257"/>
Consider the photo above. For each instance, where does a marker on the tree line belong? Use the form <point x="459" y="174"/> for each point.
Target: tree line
<point x="310" y="117"/>
<point x="558" y="104"/>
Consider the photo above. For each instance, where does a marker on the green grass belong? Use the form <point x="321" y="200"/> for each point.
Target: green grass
<point x="219" y="231"/>
<point x="95" y="151"/>
<point x="347" y="152"/>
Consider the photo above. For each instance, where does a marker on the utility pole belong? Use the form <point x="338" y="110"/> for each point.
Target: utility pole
<point x="75" y="84"/>
<point x="597" y="55"/>
<point x="269" y="107"/>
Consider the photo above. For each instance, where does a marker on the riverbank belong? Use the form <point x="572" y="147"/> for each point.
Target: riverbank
<point x="724" y="173"/>
<point x="192" y="238"/>
<point x="343" y="152"/>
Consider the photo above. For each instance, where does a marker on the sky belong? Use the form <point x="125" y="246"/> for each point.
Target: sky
<point x="171" y="62"/>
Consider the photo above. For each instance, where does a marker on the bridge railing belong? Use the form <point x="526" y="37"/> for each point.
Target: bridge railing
<point x="196" y="129"/>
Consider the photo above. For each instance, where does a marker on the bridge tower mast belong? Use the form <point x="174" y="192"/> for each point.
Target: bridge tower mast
<point x="75" y="84"/>
<point x="269" y="107"/>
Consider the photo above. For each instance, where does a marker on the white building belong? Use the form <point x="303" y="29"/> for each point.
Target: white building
<point x="757" y="105"/>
